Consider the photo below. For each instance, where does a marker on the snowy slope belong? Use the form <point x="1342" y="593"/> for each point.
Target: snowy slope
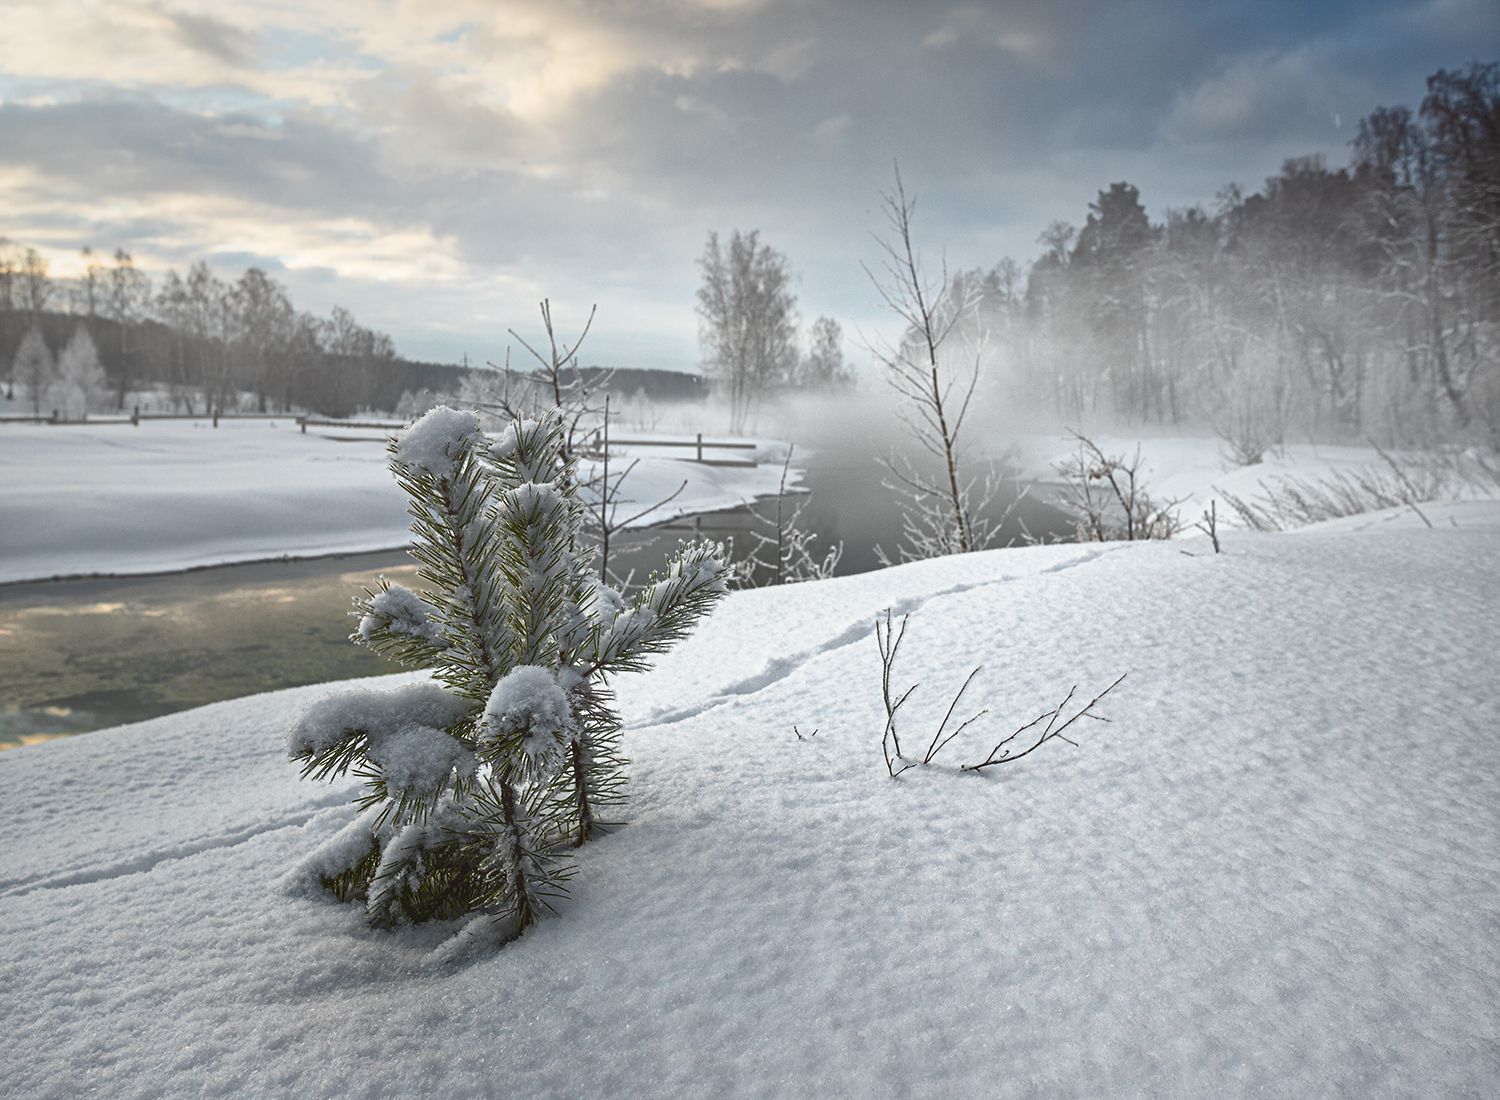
<point x="1276" y="872"/>
<point x="175" y="494"/>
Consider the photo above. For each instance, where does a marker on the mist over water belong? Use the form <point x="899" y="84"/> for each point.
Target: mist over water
<point x="91" y="653"/>
<point x="843" y="443"/>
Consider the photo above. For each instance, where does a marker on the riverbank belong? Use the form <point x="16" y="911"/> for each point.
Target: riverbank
<point x="173" y="495"/>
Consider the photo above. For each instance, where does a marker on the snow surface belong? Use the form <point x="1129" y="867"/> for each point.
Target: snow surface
<point x="173" y="494"/>
<point x="1276" y="872"/>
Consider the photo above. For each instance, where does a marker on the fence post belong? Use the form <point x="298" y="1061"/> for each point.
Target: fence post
<point x="700" y="446"/>
<point x="135" y="416"/>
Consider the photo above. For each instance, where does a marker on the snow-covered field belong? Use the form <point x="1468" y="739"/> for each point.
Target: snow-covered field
<point x="1276" y="872"/>
<point x="179" y="493"/>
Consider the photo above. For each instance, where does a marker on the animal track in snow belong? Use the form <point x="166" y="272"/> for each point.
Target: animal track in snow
<point x="779" y="668"/>
<point x="148" y="861"/>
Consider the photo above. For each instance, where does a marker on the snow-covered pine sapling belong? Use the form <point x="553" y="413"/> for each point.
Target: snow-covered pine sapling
<point x="479" y="783"/>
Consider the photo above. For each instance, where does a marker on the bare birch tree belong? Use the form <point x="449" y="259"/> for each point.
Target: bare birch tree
<point x="941" y="507"/>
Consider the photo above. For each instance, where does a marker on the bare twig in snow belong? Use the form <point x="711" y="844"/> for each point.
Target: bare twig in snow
<point x="1209" y="524"/>
<point x="1002" y="754"/>
<point x="889" y="641"/>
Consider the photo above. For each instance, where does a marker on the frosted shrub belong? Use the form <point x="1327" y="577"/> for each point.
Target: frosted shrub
<point x="1108" y="499"/>
<point x="480" y="783"/>
<point x="78" y="385"/>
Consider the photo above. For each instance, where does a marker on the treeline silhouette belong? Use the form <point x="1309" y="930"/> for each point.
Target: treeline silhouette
<point x="1337" y="302"/>
<point x="209" y="344"/>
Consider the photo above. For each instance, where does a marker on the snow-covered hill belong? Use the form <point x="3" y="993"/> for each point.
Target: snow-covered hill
<point x="1275" y="872"/>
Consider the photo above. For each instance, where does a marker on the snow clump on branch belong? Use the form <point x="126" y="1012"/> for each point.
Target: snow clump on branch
<point x="435" y="443"/>
<point x="529" y="705"/>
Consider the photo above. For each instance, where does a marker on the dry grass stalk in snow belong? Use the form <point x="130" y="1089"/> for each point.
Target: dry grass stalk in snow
<point x="1288" y="502"/>
<point x="1209" y="525"/>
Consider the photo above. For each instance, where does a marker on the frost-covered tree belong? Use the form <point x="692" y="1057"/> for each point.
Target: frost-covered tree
<point x="33" y="367"/>
<point x="414" y="403"/>
<point x="78" y="384"/>
<point x="480" y="782"/>
<point x="747" y="320"/>
<point x="127" y="296"/>
<point x="823" y="367"/>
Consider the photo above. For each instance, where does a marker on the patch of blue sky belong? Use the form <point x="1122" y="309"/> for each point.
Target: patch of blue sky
<point x="455" y="35"/>
<point x="283" y="48"/>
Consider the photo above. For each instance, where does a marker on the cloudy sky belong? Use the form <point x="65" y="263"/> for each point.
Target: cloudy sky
<point x="439" y="165"/>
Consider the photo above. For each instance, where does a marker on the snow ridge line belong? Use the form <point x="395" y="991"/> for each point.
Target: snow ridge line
<point x="779" y="668"/>
<point x="149" y="861"/>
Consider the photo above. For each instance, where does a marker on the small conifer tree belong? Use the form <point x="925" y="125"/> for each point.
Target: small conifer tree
<point x="479" y="783"/>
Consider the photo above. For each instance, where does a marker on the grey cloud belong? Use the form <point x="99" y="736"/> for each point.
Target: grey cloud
<point x="138" y="146"/>
<point x="213" y="38"/>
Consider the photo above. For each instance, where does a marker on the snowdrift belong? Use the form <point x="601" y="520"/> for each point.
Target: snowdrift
<point x="1276" y="871"/>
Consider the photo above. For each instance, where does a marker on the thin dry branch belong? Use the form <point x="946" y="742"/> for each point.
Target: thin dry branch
<point x="1050" y="731"/>
<point x="888" y="639"/>
<point x="1209" y="524"/>
<point x="889" y="643"/>
<point x="937" y="746"/>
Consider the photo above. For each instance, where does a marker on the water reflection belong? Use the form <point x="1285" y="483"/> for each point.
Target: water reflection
<point x="84" y="654"/>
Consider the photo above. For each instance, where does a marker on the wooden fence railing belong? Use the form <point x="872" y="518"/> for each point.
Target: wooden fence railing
<point x="698" y="443"/>
<point x="136" y="416"/>
<point x="591" y="449"/>
<point x="382" y="425"/>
